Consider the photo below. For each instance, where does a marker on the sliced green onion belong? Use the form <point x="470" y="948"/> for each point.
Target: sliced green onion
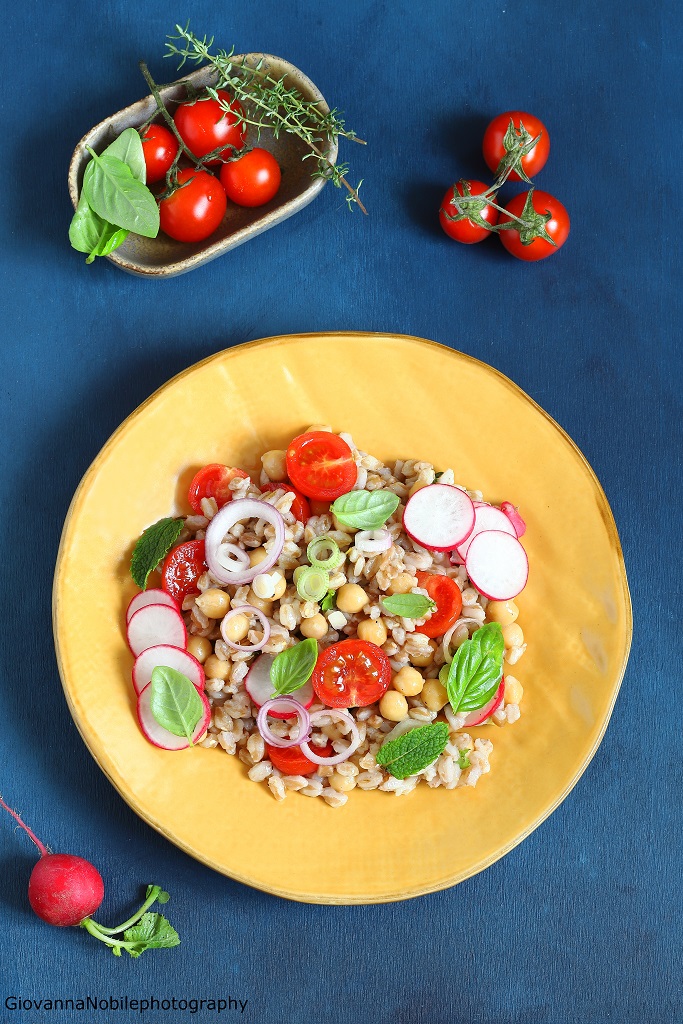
<point x="318" y="546"/>
<point x="312" y="583"/>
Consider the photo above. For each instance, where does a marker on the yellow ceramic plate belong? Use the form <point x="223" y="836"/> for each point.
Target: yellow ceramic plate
<point x="399" y="397"/>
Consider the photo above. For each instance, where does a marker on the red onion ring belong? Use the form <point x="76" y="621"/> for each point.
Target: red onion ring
<point x="235" y="511"/>
<point x="343" y="716"/>
<point x="283" y="704"/>
<point x="246" y="609"/>
<point x="372" y="542"/>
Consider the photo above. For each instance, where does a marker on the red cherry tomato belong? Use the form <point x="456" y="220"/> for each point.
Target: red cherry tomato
<point x="213" y="482"/>
<point x="183" y="566"/>
<point x="293" y="761"/>
<point x="494" y="146"/>
<point x="351" y="674"/>
<point x="159" y="148"/>
<point x="446" y="593"/>
<point x="252" y="179"/>
<point x="204" y="125"/>
<point x="320" y="465"/>
<point x="301" y="510"/>
<point x="464" y="229"/>
<point x="544" y="213"/>
<point x="194" y="211"/>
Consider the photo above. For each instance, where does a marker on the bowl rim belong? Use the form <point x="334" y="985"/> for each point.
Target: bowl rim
<point x="485" y="862"/>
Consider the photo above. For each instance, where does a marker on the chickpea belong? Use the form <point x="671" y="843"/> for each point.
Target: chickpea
<point x="434" y="695"/>
<point x="214" y="603"/>
<point x="258" y="602"/>
<point x="373" y="631"/>
<point x="408" y="681"/>
<point x="514" y="691"/>
<point x="342" y="783"/>
<point x="393" y="706"/>
<point x="402" y="584"/>
<point x="199" y="647"/>
<point x="504" y="612"/>
<point x="417" y="486"/>
<point x="275" y="465"/>
<point x="424" y="657"/>
<point x="280" y="587"/>
<point x="315" y="627"/>
<point x="215" y="668"/>
<point x="513" y="635"/>
<point x="351" y="598"/>
<point x="236" y="628"/>
<point x="256" y="556"/>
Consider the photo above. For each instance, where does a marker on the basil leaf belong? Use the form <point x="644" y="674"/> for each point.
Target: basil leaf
<point x="116" y="195"/>
<point x="86" y="227"/>
<point x="414" y="751"/>
<point x="128" y="148"/>
<point x="110" y="238"/>
<point x="365" y="510"/>
<point x="476" y="670"/>
<point x="152" y="931"/>
<point x="329" y="601"/>
<point x="463" y="759"/>
<point x="154" y="544"/>
<point x="175" y="703"/>
<point x="293" y="667"/>
<point x="408" y="606"/>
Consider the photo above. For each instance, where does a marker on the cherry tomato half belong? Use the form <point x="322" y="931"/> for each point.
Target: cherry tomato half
<point x="204" y="125"/>
<point x="320" y="465"/>
<point x="293" y="761"/>
<point x="159" y="148"/>
<point x="544" y="213"/>
<point x="464" y="229"/>
<point x="301" y="510"/>
<point x="351" y="674"/>
<point x="212" y="482"/>
<point x="183" y="566"/>
<point x="494" y="146"/>
<point x="194" y="211"/>
<point x="252" y="179"/>
<point x="446" y="593"/>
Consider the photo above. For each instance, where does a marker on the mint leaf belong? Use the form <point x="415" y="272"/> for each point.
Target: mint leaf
<point x="414" y="751"/>
<point x="116" y="195"/>
<point x="365" y="510"/>
<point x="154" y="544"/>
<point x="463" y="759"/>
<point x="476" y="670"/>
<point x="293" y="667"/>
<point x="152" y="931"/>
<point x="175" y="703"/>
<point x="329" y="601"/>
<point x="408" y="606"/>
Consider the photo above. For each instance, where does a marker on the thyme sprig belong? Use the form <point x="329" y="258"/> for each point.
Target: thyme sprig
<point x="268" y="102"/>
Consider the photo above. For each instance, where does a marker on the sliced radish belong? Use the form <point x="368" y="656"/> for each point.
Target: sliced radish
<point x="481" y="714"/>
<point x="161" y="737"/>
<point x="439" y="517"/>
<point x="145" y="597"/>
<point x="156" y="624"/>
<point x="486" y="517"/>
<point x="260" y="688"/>
<point x="455" y="558"/>
<point x="170" y="657"/>
<point x="508" y="509"/>
<point x="497" y="565"/>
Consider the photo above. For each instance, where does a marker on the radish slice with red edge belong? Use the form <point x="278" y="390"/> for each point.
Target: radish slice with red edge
<point x="153" y="625"/>
<point x="479" y="716"/>
<point x="497" y="565"/>
<point x="246" y="609"/>
<point x="169" y="657"/>
<point x="340" y="716"/>
<point x="439" y="516"/>
<point x="290" y="707"/>
<point x="259" y="686"/>
<point x="508" y="509"/>
<point x="161" y="737"/>
<point x="145" y="597"/>
<point x="228" y="570"/>
<point x="486" y="517"/>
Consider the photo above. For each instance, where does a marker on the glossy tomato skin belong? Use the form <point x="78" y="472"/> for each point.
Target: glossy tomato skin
<point x="252" y="179"/>
<point x="351" y="674"/>
<point x="293" y="761"/>
<point x="204" y="125"/>
<point x="184" y="564"/>
<point x="301" y="510"/>
<point x="557" y="227"/>
<point x="446" y="593"/>
<point x="159" y="148"/>
<point x="193" y="212"/>
<point x="212" y="481"/>
<point x="466" y="231"/>
<point x="494" y="149"/>
<point x="320" y="465"/>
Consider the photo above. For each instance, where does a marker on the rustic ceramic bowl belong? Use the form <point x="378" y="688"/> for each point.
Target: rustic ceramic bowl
<point x="163" y="256"/>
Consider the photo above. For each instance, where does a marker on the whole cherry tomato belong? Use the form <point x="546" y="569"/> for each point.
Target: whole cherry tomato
<point x="301" y="510"/>
<point x="445" y="592"/>
<point x="468" y="222"/>
<point x="351" y="674"/>
<point x="525" y="128"/>
<point x="159" y="148"/>
<point x="252" y="179"/>
<point x="212" y="482"/>
<point x="545" y="228"/>
<point x="194" y="211"/>
<point x="204" y="125"/>
<point x="320" y="465"/>
<point x="183" y="566"/>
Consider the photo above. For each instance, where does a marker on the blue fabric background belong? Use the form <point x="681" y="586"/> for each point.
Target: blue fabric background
<point x="582" y="921"/>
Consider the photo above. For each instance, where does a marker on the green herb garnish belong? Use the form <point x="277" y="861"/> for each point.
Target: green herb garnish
<point x="116" y="195"/>
<point x="463" y="759"/>
<point x="365" y="510"/>
<point x="293" y="667"/>
<point x="413" y="751"/>
<point x="329" y="601"/>
<point x="408" y="606"/>
<point x="474" y="674"/>
<point x="153" y="546"/>
<point x="175" y="702"/>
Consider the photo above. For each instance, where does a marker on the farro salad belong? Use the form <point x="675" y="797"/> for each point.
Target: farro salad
<point x="334" y="622"/>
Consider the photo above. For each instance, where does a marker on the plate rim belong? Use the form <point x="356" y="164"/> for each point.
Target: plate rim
<point x="364" y="899"/>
